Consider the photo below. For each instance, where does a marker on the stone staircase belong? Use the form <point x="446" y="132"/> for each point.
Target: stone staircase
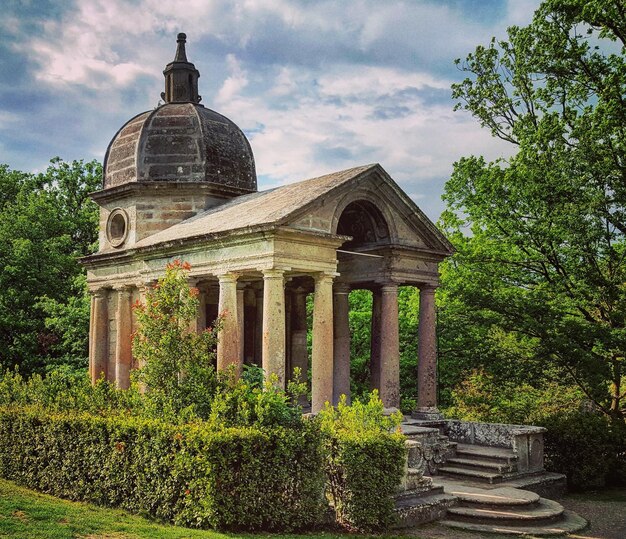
<point x="481" y="463"/>
<point x="508" y="510"/>
<point x="490" y="479"/>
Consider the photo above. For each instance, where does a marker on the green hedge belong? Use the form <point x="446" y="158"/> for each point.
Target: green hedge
<point x="588" y="447"/>
<point x="243" y="478"/>
<point x="363" y="473"/>
<point x="365" y="457"/>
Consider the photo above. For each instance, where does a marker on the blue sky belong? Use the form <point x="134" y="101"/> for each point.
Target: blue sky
<point x="317" y="85"/>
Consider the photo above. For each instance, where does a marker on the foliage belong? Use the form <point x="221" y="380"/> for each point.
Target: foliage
<point x="365" y="456"/>
<point x="176" y="362"/>
<point x="64" y="389"/>
<point x="246" y="478"/>
<point x="483" y="397"/>
<point x="238" y="402"/>
<point x="587" y="446"/>
<point x="546" y="250"/>
<point x="47" y="221"/>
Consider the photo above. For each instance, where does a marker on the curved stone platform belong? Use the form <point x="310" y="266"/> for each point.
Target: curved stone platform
<point x="507" y="510"/>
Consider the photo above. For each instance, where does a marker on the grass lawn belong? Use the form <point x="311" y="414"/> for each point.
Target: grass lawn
<point x="26" y="514"/>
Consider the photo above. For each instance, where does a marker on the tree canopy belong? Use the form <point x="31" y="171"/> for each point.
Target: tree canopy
<point x="47" y="221"/>
<point x="540" y="235"/>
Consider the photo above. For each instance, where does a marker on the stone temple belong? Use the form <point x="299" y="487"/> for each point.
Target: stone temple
<point x="180" y="182"/>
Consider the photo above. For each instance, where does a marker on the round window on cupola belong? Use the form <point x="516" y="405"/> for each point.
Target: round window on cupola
<point x="117" y="227"/>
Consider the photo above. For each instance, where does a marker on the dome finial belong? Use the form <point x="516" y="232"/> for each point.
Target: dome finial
<point x="181" y="77"/>
<point x="181" y="54"/>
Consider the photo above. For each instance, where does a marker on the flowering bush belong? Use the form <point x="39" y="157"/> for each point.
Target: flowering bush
<point x="176" y="362"/>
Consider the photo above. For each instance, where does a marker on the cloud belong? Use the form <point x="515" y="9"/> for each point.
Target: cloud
<point x="317" y="86"/>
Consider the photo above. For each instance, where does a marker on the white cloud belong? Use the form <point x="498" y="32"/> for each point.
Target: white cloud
<point x="318" y="85"/>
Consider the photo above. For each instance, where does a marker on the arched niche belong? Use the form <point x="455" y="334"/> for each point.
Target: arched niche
<point x="362" y="220"/>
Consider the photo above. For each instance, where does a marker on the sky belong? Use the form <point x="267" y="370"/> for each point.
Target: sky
<point x="316" y="85"/>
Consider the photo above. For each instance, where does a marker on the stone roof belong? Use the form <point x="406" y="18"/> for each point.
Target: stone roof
<point x="179" y="143"/>
<point x="265" y="208"/>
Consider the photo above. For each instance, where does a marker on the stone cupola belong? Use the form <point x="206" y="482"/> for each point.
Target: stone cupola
<point x="181" y="77"/>
<point x="167" y="164"/>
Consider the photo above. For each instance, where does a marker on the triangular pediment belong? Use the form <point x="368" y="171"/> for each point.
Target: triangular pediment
<point x="408" y="225"/>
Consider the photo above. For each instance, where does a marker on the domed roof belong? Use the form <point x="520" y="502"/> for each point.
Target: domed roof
<point x="180" y="141"/>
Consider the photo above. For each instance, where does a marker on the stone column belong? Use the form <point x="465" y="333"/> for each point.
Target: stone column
<point x="100" y="324"/>
<point x="322" y="357"/>
<point x="201" y="321"/>
<point x="288" y="342"/>
<point x="91" y="332"/>
<point x="123" y="345"/>
<point x="273" y="351"/>
<point x="249" y="328"/>
<point x="228" y="336"/>
<point x="389" y="347"/>
<point x="299" y="352"/>
<point x="341" y="344"/>
<point x="240" y="319"/>
<point x="427" y="356"/>
<point x="198" y="324"/>
<point x="375" y="340"/>
<point x="258" y="327"/>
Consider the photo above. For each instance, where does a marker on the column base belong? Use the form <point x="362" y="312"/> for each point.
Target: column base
<point x="429" y="413"/>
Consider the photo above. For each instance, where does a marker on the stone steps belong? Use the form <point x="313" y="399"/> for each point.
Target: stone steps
<point x="539" y="513"/>
<point x="508" y="510"/>
<point x="570" y="523"/>
<point x="481" y="463"/>
<point x="502" y="496"/>
<point x="416" y="510"/>
<point x="494" y="466"/>
<point x="487" y="453"/>
<point x="470" y="473"/>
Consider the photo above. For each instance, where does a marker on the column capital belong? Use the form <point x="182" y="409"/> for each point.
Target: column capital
<point x="324" y="277"/>
<point x="227" y="277"/>
<point x="428" y="288"/>
<point x="148" y="283"/>
<point x="389" y="287"/>
<point x="341" y="288"/>
<point x="273" y="273"/>
<point x="193" y="281"/>
<point x="100" y="292"/>
<point x="124" y="288"/>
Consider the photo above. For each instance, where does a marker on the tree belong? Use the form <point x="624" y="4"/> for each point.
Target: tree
<point x="176" y="362"/>
<point x="47" y="222"/>
<point x="546" y="254"/>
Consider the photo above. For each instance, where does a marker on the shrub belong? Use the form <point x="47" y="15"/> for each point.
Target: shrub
<point x="232" y="478"/>
<point x="365" y="456"/>
<point x="64" y="389"/>
<point x="176" y="361"/>
<point x="588" y="447"/>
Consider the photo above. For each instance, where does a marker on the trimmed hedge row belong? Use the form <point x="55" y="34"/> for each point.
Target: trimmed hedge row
<point x="588" y="447"/>
<point x="363" y="473"/>
<point x="231" y="478"/>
